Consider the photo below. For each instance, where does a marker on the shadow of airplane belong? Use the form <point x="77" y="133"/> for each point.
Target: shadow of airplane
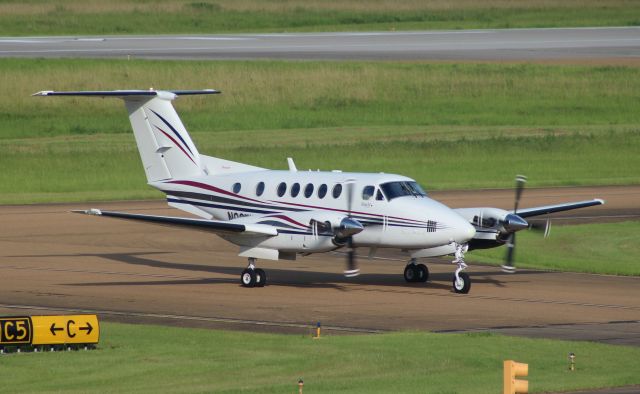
<point x="279" y="277"/>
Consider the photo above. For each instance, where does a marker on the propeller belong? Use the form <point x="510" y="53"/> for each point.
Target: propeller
<point x="351" y="227"/>
<point x="513" y="223"/>
<point x="541" y="227"/>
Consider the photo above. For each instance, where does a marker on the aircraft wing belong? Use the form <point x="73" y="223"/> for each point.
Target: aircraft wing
<point x="537" y="211"/>
<point x="216" y="226"/>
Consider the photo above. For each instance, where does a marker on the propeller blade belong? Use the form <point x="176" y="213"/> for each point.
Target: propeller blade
<point x="352" y="266"/>
<point x="509" y="267"/>
<point x="520" y="181"/>
<point x="543" y="227"/>
<point x="352" y="227"/>
<point x="350" y="187"/>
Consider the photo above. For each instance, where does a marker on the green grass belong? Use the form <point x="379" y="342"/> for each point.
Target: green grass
<point x="609" y="248"/>
<point x="41" y="17"/>
<point x="267" y="95"/>
<point x="107" y="167"/>
<point x="447" y="125"/>
<point x="135" y="358"/>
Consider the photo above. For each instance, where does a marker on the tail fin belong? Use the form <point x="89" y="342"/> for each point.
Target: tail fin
<point x="165" y="147"/>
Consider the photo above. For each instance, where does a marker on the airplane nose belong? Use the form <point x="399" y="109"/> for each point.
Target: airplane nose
<point x="463" y="231"/>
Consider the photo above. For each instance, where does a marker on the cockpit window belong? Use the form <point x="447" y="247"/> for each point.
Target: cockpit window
<point x="404" y="188"/>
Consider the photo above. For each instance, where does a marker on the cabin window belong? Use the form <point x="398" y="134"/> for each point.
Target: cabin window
<point x="236" y="187"/>
<point x="337" y="190"/>
<point x="367" y="192"/>
<point x="260" y="189"/>
<point x="379" y="195"/>
<point x="282" y="189"/>
<point x="295" y="189"/>
<point x="403" y="188"/>
<point x="308" y="190"/>
<point x="322" y="191"/>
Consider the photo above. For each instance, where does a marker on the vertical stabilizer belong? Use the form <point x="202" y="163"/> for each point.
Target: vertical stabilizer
<point x="165" y="147"/>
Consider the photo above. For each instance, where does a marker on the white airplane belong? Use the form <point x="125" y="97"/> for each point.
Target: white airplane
<point x="273" y="214"/>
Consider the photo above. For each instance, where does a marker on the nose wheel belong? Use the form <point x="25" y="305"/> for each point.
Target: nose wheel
<point x="252" y="276"/>
<point x="461" y="283"/>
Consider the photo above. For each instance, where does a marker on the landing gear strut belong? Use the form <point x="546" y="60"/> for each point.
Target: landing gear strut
<point x="461" y="280"/>
<point x="252" y="276"/>
<point x="416" y="272"/>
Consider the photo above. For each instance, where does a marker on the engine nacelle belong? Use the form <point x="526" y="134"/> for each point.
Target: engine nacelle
<point x="496" y="219"/>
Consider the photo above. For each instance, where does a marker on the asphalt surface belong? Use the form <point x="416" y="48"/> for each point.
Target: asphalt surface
<point x="582" y="44"/>
<point x="54" y="261"/>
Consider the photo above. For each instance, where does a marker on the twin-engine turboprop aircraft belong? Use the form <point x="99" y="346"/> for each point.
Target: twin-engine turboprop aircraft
<point x="275" y="215"/>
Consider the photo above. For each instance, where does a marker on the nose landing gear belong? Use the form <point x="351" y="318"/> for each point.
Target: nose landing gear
<point x="461" y="280"/>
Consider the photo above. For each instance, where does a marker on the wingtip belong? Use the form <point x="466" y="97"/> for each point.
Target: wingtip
<point x="92" y="211"/>
<point x="601" y="201"/>
<point x="42" y="93"/>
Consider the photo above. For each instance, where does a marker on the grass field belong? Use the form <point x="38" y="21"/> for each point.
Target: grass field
<point x="266" y="95"/>
<point x="107" y="167"/>
<point x="41" y="17"/>
<point x="447" y="125"/>
<point x="134" y="358"/>
<point x="608" y="248"/>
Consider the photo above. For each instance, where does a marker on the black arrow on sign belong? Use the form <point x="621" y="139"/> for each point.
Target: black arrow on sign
<point x="88" y="328"/>
<point x="54" y="328"/>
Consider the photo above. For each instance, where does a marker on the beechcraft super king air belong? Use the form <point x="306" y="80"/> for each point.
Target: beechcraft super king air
<point x="274" y="214"/>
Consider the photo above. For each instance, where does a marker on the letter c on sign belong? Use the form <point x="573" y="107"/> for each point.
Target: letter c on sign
<point x="69" y="323"/>
<point x="8" y="336"/>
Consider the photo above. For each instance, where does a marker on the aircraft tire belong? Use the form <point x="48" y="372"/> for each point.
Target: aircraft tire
<point x="248" y="278"/>
<point x="261" y="277"/>
<point x="411" y="273"/>
<point x="423" y="273"/>
<point x="464" y="285"/>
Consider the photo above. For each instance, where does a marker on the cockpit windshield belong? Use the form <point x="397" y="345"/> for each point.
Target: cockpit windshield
<point x="404" y="188"/>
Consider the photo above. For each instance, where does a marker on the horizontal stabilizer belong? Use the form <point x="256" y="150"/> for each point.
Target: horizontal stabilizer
<point x="200" y="224"/>
<point x="126" y="93"/>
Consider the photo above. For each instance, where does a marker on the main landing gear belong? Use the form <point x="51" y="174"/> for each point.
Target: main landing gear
<point x="252" y="276"/>
<point x="416" y="272"/>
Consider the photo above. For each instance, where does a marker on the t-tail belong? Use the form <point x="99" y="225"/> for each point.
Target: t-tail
<point x="165" y="147"/>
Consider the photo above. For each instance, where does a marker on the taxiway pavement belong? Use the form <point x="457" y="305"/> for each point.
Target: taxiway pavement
<point x="52" y="260"/>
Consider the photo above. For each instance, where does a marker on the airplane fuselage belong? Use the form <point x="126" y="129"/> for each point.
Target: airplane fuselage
<point x="394" y="211"/>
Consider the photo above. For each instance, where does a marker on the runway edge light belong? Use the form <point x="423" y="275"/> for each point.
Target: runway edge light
<point x="512" y="370"/>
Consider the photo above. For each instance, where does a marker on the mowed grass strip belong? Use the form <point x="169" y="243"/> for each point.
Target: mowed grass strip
<point x="108" y="167"/>
<point x="142" y="358"/>
<point x="267" y="95"/>
<point x="41" y="17"/>
<point x="604" y="248"/>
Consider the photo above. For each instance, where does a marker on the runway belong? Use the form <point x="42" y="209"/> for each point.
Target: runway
<point x="579" y="44"/>
<point x="54" y="261"/>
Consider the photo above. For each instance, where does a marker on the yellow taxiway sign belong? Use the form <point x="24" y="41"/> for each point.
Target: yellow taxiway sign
<point x="55" y="330"/>
<point x="49" y="330"/>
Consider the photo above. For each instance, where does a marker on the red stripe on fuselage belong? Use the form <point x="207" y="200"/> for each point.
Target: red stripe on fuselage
<point x="311" y="207"/>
